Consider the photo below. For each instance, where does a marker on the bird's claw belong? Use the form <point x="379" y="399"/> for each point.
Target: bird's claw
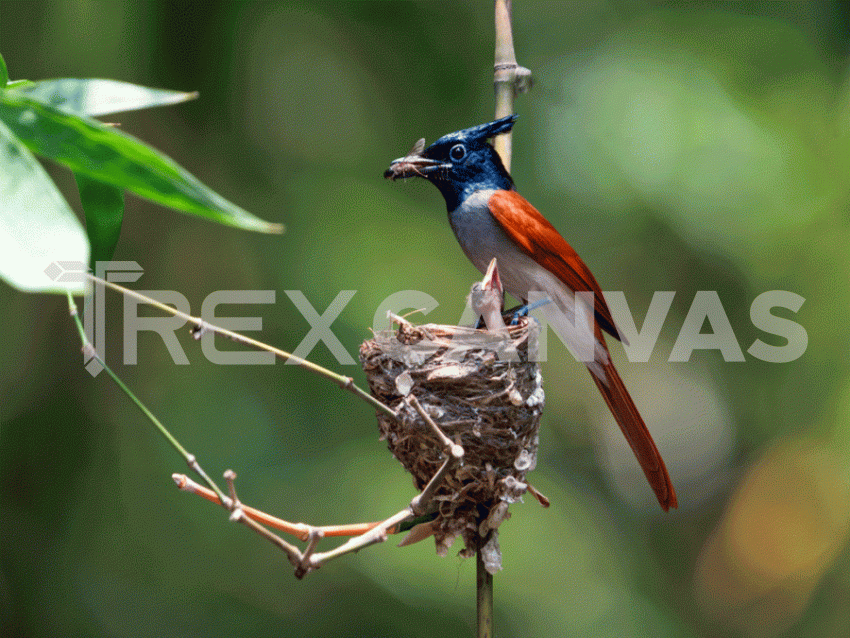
<point x="522" y="311"/>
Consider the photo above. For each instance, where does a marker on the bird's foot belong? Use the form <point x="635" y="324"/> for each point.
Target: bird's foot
<point x="522" y="311"/>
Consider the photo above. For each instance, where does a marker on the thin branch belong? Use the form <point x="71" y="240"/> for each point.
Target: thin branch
<point x="190" y="459"/>
<point x="368" y="533"/>
<point x="377" y="534"/>
<point x="301" y="531"/>
<point x="201" y="327"/>
<point x="237" y="515"/>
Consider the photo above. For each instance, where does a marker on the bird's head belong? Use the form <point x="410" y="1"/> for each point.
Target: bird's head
<point x="459" y="163"/>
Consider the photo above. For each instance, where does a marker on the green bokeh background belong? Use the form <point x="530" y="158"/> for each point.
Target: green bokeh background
<point x="677" y="146"/>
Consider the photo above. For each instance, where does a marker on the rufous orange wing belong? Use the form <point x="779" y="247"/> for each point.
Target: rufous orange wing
<point x="536" y="237"/>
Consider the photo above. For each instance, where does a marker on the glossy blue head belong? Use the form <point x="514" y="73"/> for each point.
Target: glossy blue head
<point x="459" y="163"/>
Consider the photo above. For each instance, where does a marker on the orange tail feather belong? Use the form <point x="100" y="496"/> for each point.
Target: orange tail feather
<point x="636" y="433"/>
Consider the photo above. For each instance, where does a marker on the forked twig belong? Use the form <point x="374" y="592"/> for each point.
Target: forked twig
<point x="300" y="531"/>
<point x="418" y="505"/>
<point x="363" y="534"/>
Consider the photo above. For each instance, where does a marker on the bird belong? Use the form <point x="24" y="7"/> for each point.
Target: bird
<point x="490" y="219"/>
<point x="486" y="298"/>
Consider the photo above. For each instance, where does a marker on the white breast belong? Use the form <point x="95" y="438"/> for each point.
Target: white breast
<point x="481" y="239"/>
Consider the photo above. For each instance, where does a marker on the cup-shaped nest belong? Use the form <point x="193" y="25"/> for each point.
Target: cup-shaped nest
<point x="484" y="391"/>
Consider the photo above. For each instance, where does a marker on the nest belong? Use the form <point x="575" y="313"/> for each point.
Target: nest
<point x="484" y="394"/>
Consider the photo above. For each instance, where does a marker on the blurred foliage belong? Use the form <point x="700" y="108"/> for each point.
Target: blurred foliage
<point x="677" y="146"/>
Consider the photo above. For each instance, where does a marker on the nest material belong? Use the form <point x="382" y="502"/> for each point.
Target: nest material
<point x="483" y="392"/>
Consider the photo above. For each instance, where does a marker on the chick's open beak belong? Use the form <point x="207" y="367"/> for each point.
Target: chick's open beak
<point x="491" y="279"/>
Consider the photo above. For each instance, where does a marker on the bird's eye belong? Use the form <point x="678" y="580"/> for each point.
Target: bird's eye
<point x="458" y="152"/>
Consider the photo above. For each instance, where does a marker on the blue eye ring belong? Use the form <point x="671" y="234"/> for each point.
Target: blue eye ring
<point x="457" y="152"/>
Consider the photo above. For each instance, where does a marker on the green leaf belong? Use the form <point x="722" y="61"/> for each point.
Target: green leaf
<point x="96" y="97"/>
<point x="104" y="208"/>
<point x="40" y="237"/>
<point x="91" y="148"/>
<point x="18" y="84"/>
<point x="4" y="73"/>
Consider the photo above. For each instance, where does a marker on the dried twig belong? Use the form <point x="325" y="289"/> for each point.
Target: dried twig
<point x="364" y="534"/>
